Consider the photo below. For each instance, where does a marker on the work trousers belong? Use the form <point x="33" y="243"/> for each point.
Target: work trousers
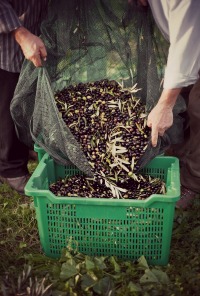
<point x="189" y="151"/>
<point x="13" y="153"/>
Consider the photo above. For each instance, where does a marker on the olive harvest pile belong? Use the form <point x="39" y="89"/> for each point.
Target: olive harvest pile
<point x="82" y="186"/>
<point x="109" y="122"/>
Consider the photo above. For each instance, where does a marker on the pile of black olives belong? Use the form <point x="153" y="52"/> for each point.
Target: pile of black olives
<point x="81" y="186"/>
<point x="109" y="122"/>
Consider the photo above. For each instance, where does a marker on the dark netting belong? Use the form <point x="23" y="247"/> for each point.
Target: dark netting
<point x="87" y="41"/>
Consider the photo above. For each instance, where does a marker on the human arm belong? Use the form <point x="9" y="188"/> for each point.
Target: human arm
<point x="181" y="20"/>
<point x="9" y="20"/>
<point x="161" y="117"/>
<point x="143" y="2"/>
<point x="32" y="46"/>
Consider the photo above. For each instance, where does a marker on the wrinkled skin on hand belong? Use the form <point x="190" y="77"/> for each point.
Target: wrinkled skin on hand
<point x="159" y="120"/>
<point x="32" y="46"/>
<point x="161" y="116"/>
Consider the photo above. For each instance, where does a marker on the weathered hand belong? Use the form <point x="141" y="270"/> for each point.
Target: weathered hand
<point x="159" y="120"/>
<point x="31" y="45"/>
<point x="161" y="116"/>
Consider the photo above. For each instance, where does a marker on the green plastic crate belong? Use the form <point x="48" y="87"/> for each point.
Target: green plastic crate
<point x="40" y="151"/>
<point x="94" y="226"/>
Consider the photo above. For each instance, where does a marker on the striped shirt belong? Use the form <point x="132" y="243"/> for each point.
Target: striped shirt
<point x="13" y="14"/>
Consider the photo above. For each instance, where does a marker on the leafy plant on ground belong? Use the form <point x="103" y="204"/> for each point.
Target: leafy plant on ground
<point x="78" y="274"/>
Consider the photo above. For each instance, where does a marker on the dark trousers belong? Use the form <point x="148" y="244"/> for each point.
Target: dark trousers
<point x="13" y="153"/>
<point x="189" y="151"/>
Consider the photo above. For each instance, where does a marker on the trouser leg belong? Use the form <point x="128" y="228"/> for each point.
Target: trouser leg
<point x="190" y="172"/>
<point x="13" y="153"/>
<point x="180" y="150"/>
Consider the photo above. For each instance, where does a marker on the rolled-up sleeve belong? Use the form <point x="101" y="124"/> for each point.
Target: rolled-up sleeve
<point x="182" y="23"/>
<point x="9" y="21"/>
<point x="184" y="53"/>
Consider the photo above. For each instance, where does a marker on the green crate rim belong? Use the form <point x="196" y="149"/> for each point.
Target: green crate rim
<point x="172" y="195"/>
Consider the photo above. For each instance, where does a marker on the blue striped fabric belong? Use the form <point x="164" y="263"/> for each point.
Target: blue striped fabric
<point x="15" y="13"/>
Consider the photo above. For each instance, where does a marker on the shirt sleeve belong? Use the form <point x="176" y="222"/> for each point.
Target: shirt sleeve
<point x="9" y="20"/>
<point x="183" y="62"/>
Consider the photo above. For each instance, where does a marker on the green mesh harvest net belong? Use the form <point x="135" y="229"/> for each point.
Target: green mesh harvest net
<point x="88" y="42"/>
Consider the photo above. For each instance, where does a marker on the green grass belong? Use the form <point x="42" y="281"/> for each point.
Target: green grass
<point x="18" y="227"/>
<point x="21" y="258"/>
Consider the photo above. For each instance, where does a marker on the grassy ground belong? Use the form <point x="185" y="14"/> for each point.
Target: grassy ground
<point x="25" y="270"/>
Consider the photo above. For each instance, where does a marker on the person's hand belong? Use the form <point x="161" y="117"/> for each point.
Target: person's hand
<point x="32" y="46"/>
<point x="143" y="2"/>
<point x="159" y="120"/>
<point x="161" y="116"/>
